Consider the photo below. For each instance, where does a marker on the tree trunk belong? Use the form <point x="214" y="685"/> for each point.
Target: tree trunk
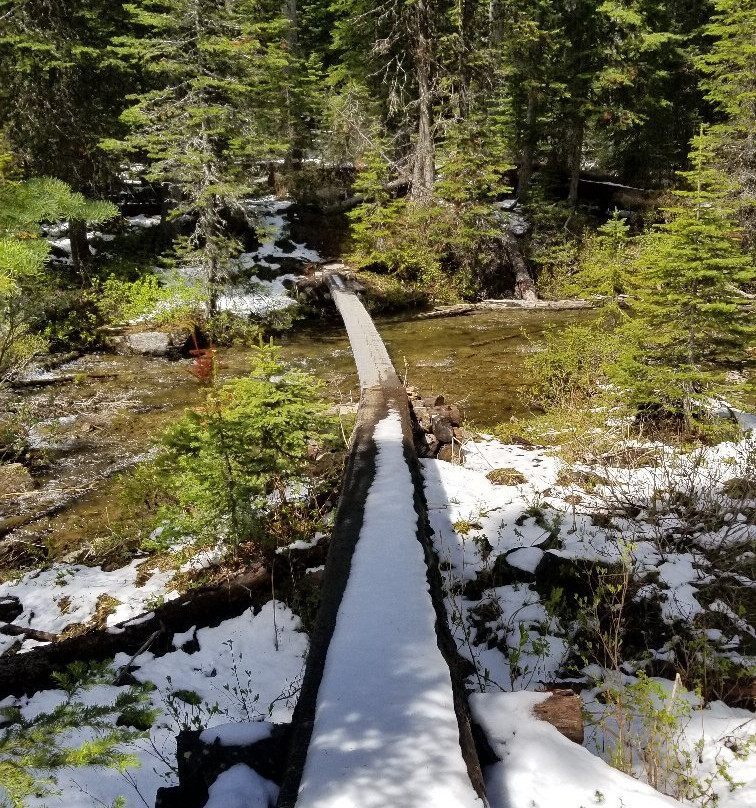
<point x="466" y="15"/>
<point x="495" y="23"/>
<point x="524" y="283"/>
<point x="424" y="168"/>
<point x="574" y="158"/>
<point x="80" y="252"/>
<point x="528" y="147"/>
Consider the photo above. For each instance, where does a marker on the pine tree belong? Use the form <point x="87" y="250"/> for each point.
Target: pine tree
<point x="689" y="325"/>
<point x="729" y="69"/>
<point x="23" y="251"/>
<point x="217" y="112"/>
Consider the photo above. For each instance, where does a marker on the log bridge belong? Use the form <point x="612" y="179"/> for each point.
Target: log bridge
<point x="416" y="749"/>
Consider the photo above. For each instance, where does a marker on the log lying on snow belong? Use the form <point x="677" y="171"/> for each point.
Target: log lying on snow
<point x="29" y="672"/>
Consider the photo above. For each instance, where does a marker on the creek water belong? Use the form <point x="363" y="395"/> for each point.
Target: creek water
<point x="103" y="425"/>
<point x="476" y="360"/>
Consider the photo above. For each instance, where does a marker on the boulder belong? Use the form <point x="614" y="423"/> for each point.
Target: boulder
<point x="15" y="479"/>
<point x="150" y="343"/>
<point x="443" y="428"/>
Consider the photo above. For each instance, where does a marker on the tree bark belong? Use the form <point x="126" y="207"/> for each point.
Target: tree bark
<point x="424" y="168"/>
<point x="80" y="252"/>
<point x="524" y="283"/>
<point x="495" y="23"/>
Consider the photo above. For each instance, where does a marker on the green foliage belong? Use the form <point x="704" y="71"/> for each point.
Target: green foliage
<point x="689" y="324"/>
<point x="730" y="84"/>
<point x="220" y="463"/>
<point x="571" y="371"/>
<point x="448" y="245"/>
<point x="72" y="734"/>
<point x="214" y="112"/>
<point x="148" y="298"/>
<point x="23" y="251"/>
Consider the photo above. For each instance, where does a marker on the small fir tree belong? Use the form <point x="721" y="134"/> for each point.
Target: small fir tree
<point x="689" y="325"/>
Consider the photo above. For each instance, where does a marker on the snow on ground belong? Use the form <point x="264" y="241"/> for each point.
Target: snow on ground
<point x="237" y="674"/>
<point x="385" y="731"/>
<point x="245" y="670"/>
<point x="540" y="767"/>
<point x="68" y="594"/>
<point x="478" y="525"/>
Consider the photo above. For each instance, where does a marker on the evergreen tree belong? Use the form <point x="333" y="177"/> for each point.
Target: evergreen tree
<point x="218" y="111"/>
<point x="60" y="94"/>
<point x="689" y="325"/>
<point x="23" y="251"/>
<point x="729" y="69"/>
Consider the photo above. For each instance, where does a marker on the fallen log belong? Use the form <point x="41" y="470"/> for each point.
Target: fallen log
<point x="62" y="378"/>
<point x="553" y="305"/>
<point x="25" y="674"/>
<point x="12" y="630"/>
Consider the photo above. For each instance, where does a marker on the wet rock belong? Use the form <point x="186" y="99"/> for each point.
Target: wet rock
<point x="15" y="479"/>
<point x="506" y="476"/>
<point x="150" y="343"/>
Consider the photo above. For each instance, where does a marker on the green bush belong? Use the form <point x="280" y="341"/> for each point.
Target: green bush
<point x="226" y="465"/>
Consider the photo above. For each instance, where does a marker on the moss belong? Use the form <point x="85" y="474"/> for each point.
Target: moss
<point x="506" y="476"/>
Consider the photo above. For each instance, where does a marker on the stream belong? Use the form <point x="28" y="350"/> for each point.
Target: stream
<point x="108" y="414"/>
<point x="105" y="425"/>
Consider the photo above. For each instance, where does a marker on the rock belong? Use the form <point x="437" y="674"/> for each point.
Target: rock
<point x="525" y="559"/>
<point x="15" y="479"/>
<point x="149" y="343"/>
<point x="460" y="434"/>
<point x="10" y="608"/>
<point x="506" y="476"/>
<point x="505" y="574"/>
<point x="563" y="710"/>
<point x="443" y="428"/>
<point x="576" y="576"/>
<point x="423" y="416"/>
<point x="429" y="448"/>
<point x="450" y="452"/>
<point x="451" y="412"/>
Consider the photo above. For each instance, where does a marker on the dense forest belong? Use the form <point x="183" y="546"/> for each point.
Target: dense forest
<point x="475" y="146"/>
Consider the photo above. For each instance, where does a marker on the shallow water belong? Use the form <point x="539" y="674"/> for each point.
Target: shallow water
<point x="104" y="425"/>
<point x="476" y="360"/>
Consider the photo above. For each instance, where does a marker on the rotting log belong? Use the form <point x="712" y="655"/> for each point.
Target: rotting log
<point x="25" y="674"/>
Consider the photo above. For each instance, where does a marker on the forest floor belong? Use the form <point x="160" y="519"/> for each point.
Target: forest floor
<point x="663" y="537"/>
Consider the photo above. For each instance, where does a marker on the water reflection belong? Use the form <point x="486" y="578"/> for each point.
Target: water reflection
<point x="476" y="359"/>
